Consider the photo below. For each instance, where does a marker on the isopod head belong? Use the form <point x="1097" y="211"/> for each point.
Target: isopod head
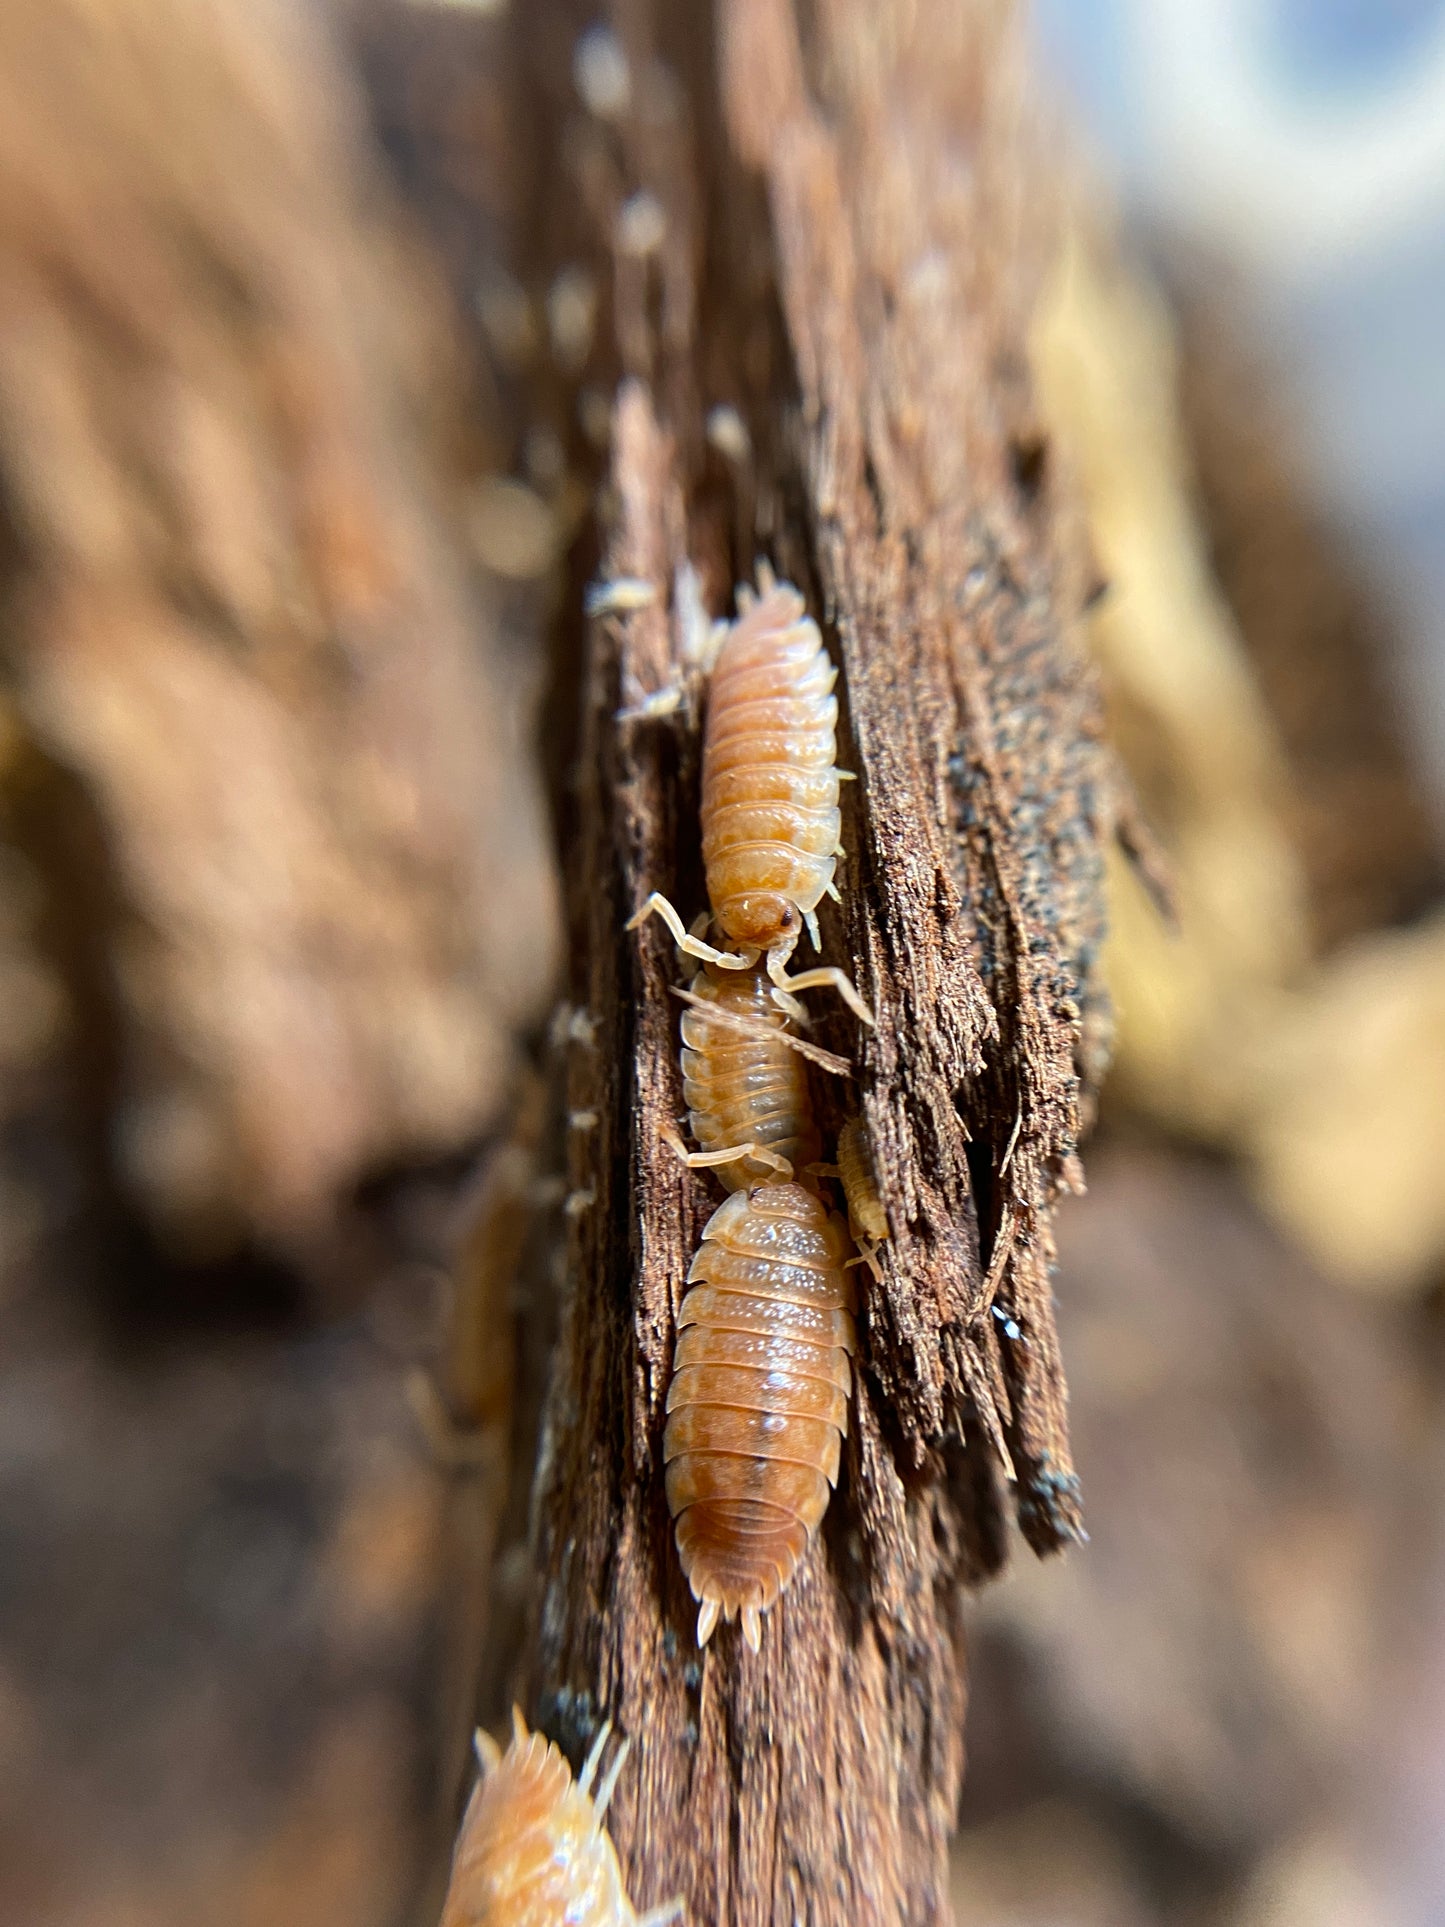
<point x="761" y="920"/>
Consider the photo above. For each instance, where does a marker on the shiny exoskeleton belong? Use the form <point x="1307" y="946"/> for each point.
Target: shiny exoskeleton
<point x="770" y="816"/>
<point x="770" y="783"/>
<point x="533" y="1850"/>
<point x="746" y="1090"/>
<point x="758" y="1404"/>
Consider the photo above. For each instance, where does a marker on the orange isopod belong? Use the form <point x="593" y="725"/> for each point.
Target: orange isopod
<point x="747" y="1090"/>
<point x="770" y="816"/>
<point x="532" y="1850"/>
<point x="758" y="1405"/>
<point x="867" y="1217"/>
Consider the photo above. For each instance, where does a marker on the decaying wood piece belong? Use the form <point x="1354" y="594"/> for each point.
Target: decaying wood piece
<point x="267" y="741"/>
<point x="467" y="1409"/>
<point x="830" y="235"/>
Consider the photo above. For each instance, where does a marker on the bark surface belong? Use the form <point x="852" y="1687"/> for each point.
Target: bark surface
<point x="827" y="224"/>
<point x="259" y="744"/>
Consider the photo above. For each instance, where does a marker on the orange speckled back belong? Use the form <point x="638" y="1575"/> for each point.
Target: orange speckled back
<point x="770" y="817"/>
<point x="758" y="1403"/>
<point x="745" y="1089"/>
<point x="532" y="1850"/>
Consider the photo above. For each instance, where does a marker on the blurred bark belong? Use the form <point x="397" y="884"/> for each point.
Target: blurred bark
<point x="471" y="1412"/>
<point x="1257" y="1452"/>
<point x="831" y="233"/>
<point x="1321" y="634"/>
<point x="263" y="742"/>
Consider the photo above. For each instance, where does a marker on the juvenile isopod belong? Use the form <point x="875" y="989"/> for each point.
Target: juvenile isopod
<point x="747" y="1093"/>
<point x="758" y="1405"/>
<point x="770" y="816"/>
<point x="532" y="1850"/>
<point x="867" y="1218"/>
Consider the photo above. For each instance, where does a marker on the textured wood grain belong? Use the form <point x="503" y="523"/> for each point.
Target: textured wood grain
<point x="263" y="741"/>
<point x="844" y="233"/>
<point x="812" y="236"/>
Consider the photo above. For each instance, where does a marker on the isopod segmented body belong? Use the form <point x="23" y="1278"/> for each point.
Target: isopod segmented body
<point x="745" y="1088"/>
<point x="770" y="816"/>
<point x="532" y="1849"/>
<point x="770" y="781"/>
<point x="867" y="1217"/>
<point x="758" y="1405"/>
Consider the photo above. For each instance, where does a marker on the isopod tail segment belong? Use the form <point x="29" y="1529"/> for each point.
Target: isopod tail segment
<point x="821" y="977"/>
<point x="533" y="1846"/>
<point x="489" y="1758"/>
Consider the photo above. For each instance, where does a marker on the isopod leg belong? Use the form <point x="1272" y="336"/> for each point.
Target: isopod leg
<point x="708" y="1614"/>
<point x="811" y="919"/>
<point x="753" y="1627"/>
<point x="658" y="905"/>
<point x="792" y="1008"/>
<point x="609" y="1784"/>
<point x="700" y="1160"/>
<point x="824" y="976"/>
<point x="590" y="1764"/>
<point x="867" y="1255"/>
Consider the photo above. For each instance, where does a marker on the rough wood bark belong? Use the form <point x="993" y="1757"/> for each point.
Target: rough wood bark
<point x="844" y="258"/>
<point x="262" y="743"/>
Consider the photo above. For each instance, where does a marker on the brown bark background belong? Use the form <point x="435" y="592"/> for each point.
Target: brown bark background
<point x="827" y="229"/>
<point x="277" y="902"/>
<point x="261" y="731"/>
<point x="294" y="536"/>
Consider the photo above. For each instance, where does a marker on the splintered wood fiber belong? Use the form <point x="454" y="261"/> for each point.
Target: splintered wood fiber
<point x="813" y="237"/>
